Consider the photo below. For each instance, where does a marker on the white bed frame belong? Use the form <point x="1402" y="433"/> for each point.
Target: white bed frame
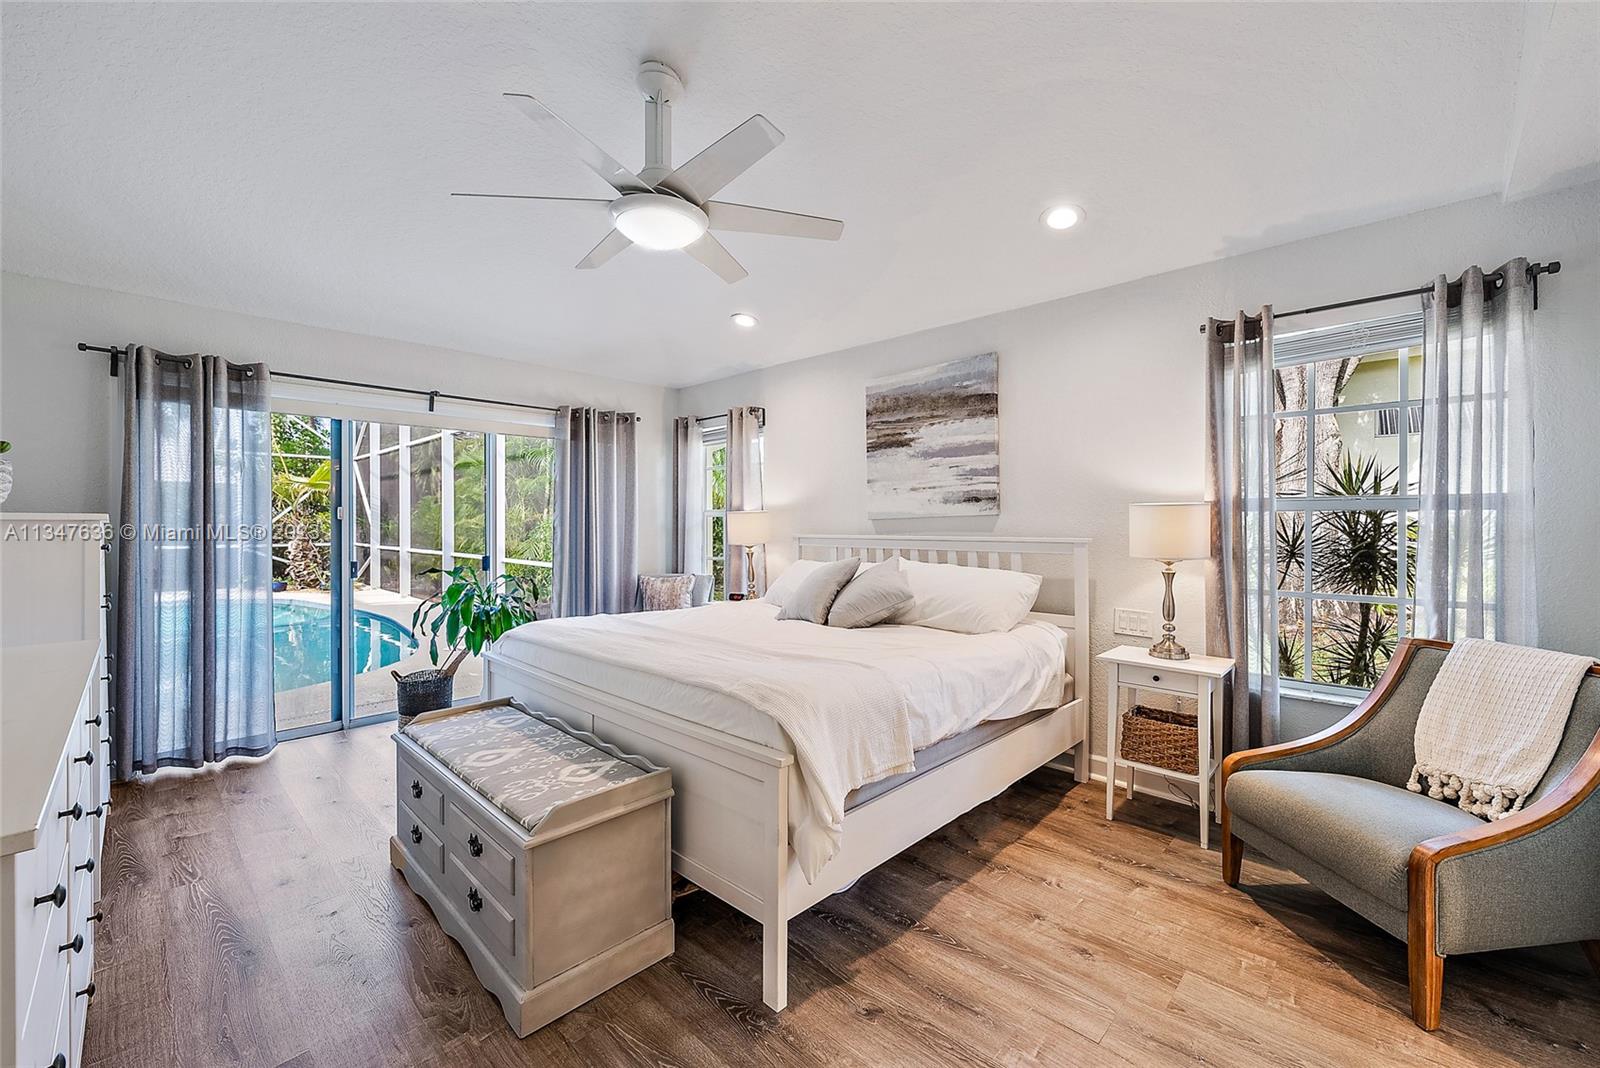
<point x="731" y="810"/>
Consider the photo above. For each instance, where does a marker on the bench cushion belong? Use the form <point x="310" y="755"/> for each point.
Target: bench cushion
<point x="523" y="767"/>
<point x="1361" y="829"/>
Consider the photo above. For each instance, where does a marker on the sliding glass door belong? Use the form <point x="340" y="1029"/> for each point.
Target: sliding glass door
<point x="361" y="544"/>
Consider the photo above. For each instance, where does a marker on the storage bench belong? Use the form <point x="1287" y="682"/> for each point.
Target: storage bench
<point x="544" y="851"/>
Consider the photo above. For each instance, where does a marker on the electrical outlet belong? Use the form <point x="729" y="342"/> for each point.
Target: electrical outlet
<point x="1134" y="622"/>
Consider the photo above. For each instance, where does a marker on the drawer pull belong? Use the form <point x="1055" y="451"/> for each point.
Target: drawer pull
<point x="474" y="899"/>
<point x="76" y="812"/>
<point x="474" y="846"/>
<point x="87" y="758"/>
<point x="93" y="721"/>
<point x="76" y="945"/>
<point x="106" y="677"/>
<point x="1155" y="678"/>
<point x="96" y="918"/>
<point x="60" y="1061"/>
<point x="98" y="810"/>
<point x="56" y="897"/>
<point x="86" y="992"/>
<point x="416" y="788"/>
<point x="87" y="865"/>
<point x="416" y="834"/>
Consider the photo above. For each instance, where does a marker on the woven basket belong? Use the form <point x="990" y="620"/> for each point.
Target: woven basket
<point x="1161" y="738"/>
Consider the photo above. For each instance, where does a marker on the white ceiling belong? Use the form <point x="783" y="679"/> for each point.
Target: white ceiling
<point x="294" y="161"/>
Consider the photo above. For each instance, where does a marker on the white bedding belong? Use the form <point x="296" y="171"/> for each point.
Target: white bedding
<point x="861" y="700"/>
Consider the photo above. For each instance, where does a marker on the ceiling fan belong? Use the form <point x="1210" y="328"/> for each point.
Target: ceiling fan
<point x="664" y="208"/>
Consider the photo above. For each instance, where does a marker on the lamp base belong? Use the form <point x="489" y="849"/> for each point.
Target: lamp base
<point x="1168" y="649"/>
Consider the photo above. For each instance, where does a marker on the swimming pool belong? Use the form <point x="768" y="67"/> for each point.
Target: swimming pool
<point x="302" y="643"/>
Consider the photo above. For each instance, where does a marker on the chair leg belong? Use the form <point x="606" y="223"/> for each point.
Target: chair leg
<point x="1425" y="965"/>
<point x="1591" y="949"/>
<point x="1427" y="986"/>
<point x="1232" y="858"/>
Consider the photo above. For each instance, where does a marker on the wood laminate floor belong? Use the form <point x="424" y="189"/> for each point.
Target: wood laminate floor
<point x="252" y="918"/>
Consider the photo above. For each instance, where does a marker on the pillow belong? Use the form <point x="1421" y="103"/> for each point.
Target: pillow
<point x="699" y="593"/>
<point x="790" y="580"/>
<point x="966" y="600"/>
<point x="872" y="597"/>
<point x="663" y="593"/>
<point x="813" y="597"/>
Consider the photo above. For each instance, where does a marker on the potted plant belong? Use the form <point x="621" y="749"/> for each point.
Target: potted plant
<point x="469" y="613"/>
<point x="5" y="471"/>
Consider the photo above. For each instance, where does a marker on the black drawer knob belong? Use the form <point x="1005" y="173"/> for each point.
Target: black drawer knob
<point x="1155" y="678"/>
<point x="93" y="721"/>
<point x="76" y="945"/>
<point x="86" y="992"/>
<point x="98" y="810"/>
<point x="60" y="1061"/>
<point x="474" y="846"/>
<point x="474" y="899"/>
<point x="416" y="788"/>
<point x="76" y="812"/>
<point x="416" y="834"/>
<point x="97" y="917"/>
<point x="87" y="758"/>
<point x="87" y="865"/>
<point x="56" y="897"/>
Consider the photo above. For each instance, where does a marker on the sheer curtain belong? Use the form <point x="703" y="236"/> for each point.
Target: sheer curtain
<point x="1475" y="567"/>
<point x="745" y="490"/>
<point x="1240" y="482"/>
<point x="688" y="497"/>
<point x="596" y="536"/>
<point x="194" y="606"/>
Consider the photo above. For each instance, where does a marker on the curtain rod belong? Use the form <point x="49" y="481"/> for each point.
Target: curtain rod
<point x="432" y="395"/>
<point x="761" y="416"/>
<point x="1534" y="271"/>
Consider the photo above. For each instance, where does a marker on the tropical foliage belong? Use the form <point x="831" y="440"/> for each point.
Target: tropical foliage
<point x="471" y="611"/>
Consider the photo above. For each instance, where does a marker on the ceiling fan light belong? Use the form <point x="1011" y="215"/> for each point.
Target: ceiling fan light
<point x="659" y="222"/>
<point x="1062" y="216"/>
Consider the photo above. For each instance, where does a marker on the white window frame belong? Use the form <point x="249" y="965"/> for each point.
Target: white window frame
<point x="713" y="436"/>
<point x="1307" y="505"/>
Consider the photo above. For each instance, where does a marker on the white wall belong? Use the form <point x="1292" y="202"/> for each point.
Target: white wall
<point x="58" y="406"/>
<point x="1101" y="400"/>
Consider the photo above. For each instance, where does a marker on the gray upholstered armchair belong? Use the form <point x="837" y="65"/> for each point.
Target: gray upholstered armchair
<point x="1333" y="808"/>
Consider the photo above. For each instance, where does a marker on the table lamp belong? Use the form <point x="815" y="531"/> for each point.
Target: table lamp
<point x="1169" y="533"/>
<point x="749" y="529"/>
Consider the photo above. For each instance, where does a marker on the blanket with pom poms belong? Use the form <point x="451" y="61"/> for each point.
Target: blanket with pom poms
<point x="1491" y="722"/>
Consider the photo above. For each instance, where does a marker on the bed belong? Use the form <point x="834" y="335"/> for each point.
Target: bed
<point x="767" y="824"/>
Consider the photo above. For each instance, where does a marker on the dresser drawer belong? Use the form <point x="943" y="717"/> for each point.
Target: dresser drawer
<point x="417" y="791"/>
<point x="488" y="917"/>
<point x="36" y="929"/>
<point x="481" y="856"/>
<point x="1154" y="679"/>
<point x="47" y="1032"/>
<point x="423" y="847"/>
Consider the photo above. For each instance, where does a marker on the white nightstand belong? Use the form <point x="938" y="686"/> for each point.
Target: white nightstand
<point x="1199" y="677"/>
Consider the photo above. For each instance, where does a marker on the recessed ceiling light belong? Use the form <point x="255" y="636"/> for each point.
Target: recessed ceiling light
<point x="743" y="320"/>
<point x="1062" y="217"/>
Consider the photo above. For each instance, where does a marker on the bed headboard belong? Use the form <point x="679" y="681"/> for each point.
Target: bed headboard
<point x="1062" y="562"/>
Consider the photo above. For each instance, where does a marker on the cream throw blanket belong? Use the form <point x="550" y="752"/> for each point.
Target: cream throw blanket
<point x="1491" y="722"/>
<point x="849" y="724"/>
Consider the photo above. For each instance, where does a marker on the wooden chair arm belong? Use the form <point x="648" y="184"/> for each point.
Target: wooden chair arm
<point x="1357" y="718"/>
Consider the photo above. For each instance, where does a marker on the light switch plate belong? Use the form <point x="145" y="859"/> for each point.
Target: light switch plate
<point x="1133" y="622"/>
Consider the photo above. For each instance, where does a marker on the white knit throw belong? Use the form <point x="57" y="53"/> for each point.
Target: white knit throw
<point x="1491" y="722"/>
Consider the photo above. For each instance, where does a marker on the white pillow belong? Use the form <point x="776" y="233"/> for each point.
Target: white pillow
<point x="790" y="580"/>
<point x="966" y="600"/>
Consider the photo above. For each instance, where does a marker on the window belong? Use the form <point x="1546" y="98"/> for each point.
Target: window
<point x="715" y="494"/>
<point x="1346" y="499"/>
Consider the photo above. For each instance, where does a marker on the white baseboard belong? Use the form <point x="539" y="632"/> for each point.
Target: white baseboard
<point x="1144" y="782"/>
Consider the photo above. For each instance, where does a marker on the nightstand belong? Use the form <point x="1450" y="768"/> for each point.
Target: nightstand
<point x="1199" y="677"/>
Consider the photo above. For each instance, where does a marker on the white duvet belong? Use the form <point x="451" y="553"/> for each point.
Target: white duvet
<point x="853" y="706"/>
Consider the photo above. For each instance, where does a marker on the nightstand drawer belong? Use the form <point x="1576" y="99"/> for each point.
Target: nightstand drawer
<point x="1174" y="681"/>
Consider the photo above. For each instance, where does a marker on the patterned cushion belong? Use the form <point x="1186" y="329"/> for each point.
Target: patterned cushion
<point x="524" y="767"/>
<point x="661" y="593"/>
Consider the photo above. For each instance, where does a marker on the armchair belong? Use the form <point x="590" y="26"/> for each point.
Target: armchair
<point x="1333" y="808"/>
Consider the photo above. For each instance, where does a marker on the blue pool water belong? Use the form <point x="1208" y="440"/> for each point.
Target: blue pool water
<point x="302" y="643"/>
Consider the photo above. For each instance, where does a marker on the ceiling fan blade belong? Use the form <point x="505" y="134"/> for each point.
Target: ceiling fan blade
<point x="609" y="246"/>
<point x="709" y="251"/>
<point x="591" y="201"/>
<point x="715" y="167"/>
<point x="745" y="219"/>
<point x="593" y="156"/>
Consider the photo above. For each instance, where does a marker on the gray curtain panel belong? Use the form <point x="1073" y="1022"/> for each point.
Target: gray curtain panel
<point x="745" y="491"/>
<point x="688" y="497"/>
<point x="194" y="606"/>
<point x="1240" y="595"/>
<point x="596" y="523"/>
<point x="1475" y="565"/>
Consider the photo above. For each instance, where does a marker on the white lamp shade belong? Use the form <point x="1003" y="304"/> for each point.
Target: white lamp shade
<point x="1170" y="531"/>
<point x="749" y="528"/>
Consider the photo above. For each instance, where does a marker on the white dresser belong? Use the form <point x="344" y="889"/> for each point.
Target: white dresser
<point x="55" y="730"/>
